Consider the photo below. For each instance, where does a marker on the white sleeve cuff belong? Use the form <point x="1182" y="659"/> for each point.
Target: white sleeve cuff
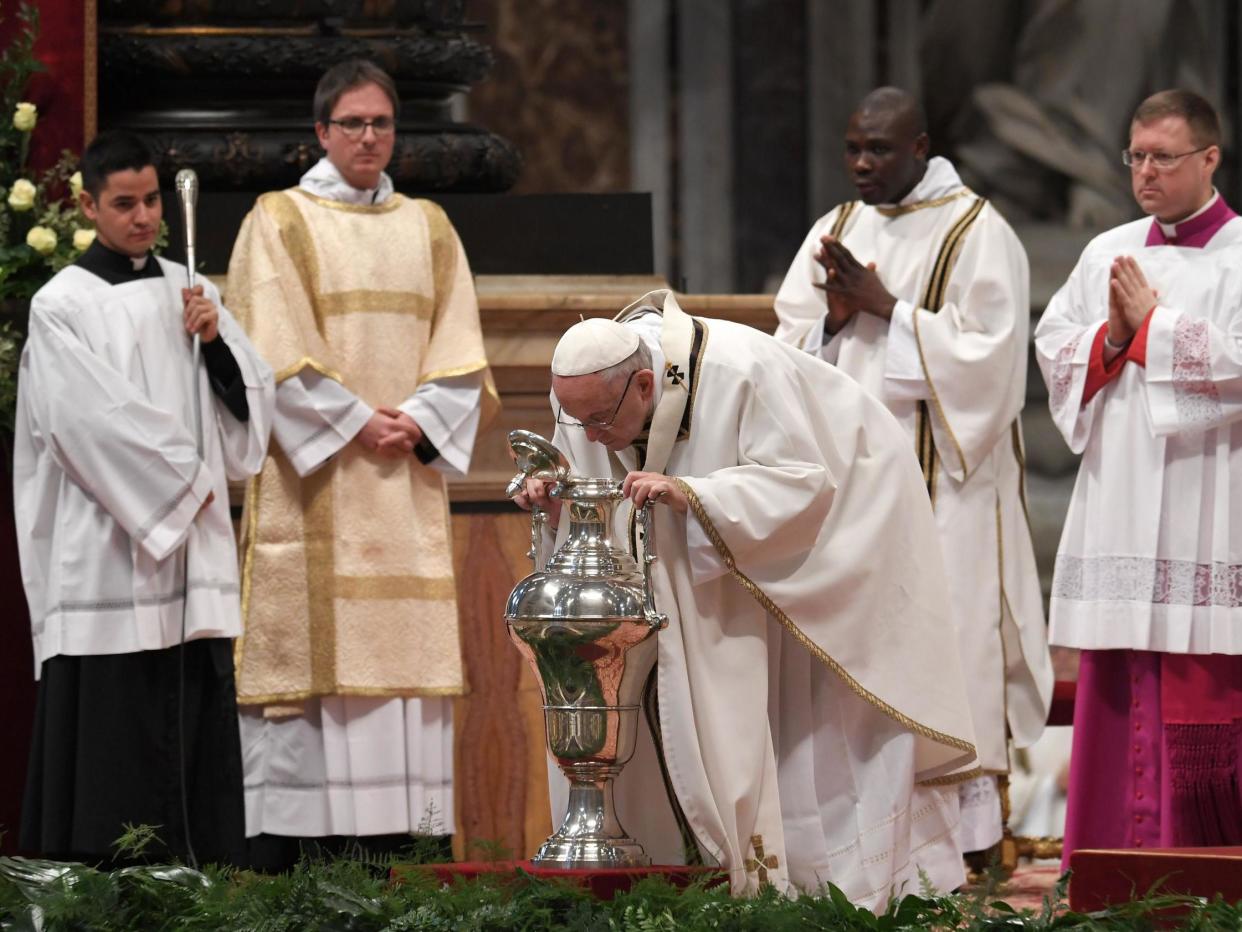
<point x="330" y="439"/>
<point x="447" y="411"/>
<point x="827" y="345"/>
<point x="705" y="562"/>
<point x="170" y="529"/>
<point x="903" y="370"/>
<point x="315" y="417"/>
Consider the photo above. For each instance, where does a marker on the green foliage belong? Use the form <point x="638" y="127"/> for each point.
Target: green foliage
<point x="46" y="214"/>
<point x="17" y="65"/>
<point x="51" y="209"/>
<point x="136" y="840"/>
<point x="485" y="849"/>
<point x="10" y="356"/>
<point x="346" y="895"/>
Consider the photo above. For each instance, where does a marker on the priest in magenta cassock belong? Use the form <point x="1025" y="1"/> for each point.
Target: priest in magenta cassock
<point x="811" y="706"/>
<point x="120" y="513"/>
<point x="1144" y="369"/>
<point x="936" y="328"/>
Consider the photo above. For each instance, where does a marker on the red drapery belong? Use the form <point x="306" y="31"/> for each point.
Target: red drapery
<point x="64" y="97"/>
<point x="58" y="92"/>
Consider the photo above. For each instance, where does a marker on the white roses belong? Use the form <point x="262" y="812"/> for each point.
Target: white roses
<point x="22" y="195"/>
<point x="82" y="239"/>
<point x="41" y="240"/>
<point x="25" y="117"/>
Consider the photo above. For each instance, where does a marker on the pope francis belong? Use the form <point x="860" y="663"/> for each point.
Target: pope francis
<point x="808" y="714"/>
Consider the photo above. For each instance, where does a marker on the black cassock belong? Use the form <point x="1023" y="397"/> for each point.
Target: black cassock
<point x="111" y="731"/>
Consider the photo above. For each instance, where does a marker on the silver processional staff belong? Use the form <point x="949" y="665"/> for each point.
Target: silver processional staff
<point x="187" y="193"/>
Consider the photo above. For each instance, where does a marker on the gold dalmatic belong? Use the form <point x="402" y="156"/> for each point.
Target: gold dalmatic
<point x="347" y="581"/>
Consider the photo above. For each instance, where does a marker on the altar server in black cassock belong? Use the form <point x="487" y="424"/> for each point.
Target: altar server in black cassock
<point x="116" y="504"/>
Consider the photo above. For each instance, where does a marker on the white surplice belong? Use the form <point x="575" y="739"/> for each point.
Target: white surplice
<point x="1151" y="554"/>
<point x="810" y="694"/>
<point x="355" y="765"/>
<point x="108" y="483"/>
<point x="965" y="360"/>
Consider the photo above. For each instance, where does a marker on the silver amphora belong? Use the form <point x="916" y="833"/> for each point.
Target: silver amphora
<point x="585" y="622"/>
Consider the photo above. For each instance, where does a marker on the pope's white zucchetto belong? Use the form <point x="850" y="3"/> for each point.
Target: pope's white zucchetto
<point x="591" y="345"/>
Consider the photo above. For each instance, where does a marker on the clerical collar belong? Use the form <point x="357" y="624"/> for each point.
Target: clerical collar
<point x="116" y="268"/>
<point x="939" y="185"/>
<point x="1196" y="230"/>
<point x="325" y="180"/>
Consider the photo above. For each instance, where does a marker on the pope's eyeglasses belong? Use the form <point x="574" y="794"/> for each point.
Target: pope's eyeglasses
<point x="565" y="420"/>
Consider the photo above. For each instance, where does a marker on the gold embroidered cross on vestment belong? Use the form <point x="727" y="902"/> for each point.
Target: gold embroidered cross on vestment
<point x="760" y="863"/>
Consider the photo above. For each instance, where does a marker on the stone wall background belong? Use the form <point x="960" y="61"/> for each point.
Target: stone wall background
<point x="560" y="88"/>
<point x="731" y="112"/>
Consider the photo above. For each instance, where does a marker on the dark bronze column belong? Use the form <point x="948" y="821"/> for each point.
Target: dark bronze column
<point x="225" y="86"/>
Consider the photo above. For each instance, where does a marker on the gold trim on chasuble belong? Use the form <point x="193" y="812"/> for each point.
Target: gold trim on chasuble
<point x="952" y="779"/>
<point x="318" y="545"/>
<point x="369" y="301"/>
<point x="323" y="588"/>
<point x="898" y="209"/>
<point x="1015" y="430"/>
<point x="299" y="244"/>
<point x="456" y="371"/>
<point x="443" y="256"/>
<point x="251" y="532"/>
<point x="766" y="603"/>
<point x="296" y="238"/>
<point x="427" y="588"/>
<point x="444" y="266"/>
<point x="393" y="202"/>
<point x="323" y="585"/>
<point x="933" y="300"/>
<point x="1000" y="625"/>
<point x="843" y="216"/>
<point x="307" y="363"/>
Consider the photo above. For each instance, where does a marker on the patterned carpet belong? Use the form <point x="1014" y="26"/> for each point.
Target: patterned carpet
<point x="1028" y="886"/>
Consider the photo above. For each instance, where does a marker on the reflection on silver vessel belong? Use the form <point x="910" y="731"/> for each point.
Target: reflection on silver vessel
<point x="586" y="624"/>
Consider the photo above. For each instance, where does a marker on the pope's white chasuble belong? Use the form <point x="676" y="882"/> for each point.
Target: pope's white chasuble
<point x="810" y="693"/>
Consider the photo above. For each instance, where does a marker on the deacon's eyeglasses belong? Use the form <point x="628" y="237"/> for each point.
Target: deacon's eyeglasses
<point x="566" y="421"/>
<point x="354" y="127"/>
<point x="1162" y="161"/>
